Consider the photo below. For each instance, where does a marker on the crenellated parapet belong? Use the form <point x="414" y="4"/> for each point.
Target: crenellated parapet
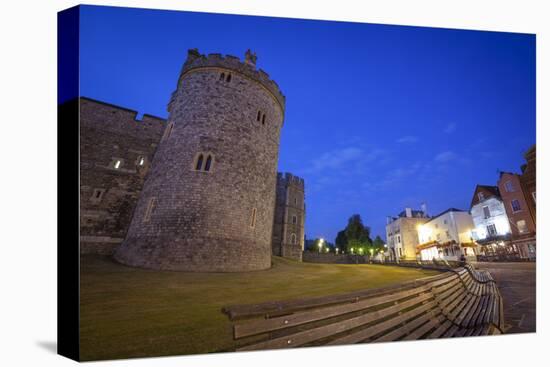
<point x="196" y="61"/>
<point x="288" y="179"/>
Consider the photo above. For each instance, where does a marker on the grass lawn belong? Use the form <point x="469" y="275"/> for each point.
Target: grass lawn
<point x="128" y="312"/>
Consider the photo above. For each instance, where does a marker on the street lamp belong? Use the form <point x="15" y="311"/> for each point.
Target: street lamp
<point x="321" y="244"/>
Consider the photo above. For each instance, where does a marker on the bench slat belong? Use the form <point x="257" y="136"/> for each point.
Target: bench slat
<point x="304" y="337"/>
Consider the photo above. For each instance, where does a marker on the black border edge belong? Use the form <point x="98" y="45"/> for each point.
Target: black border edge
<point x="68" y="249"/>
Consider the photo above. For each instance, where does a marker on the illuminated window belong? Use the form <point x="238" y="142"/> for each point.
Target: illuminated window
<point x="522" y="226"/>
<point x="149" y="210"/>
<point x="515" y="205"/>
<point x="253" y="218"/>
<point x="141" y="161"/>
<point x="508" y="186"/>
<point x="116" y="163"/>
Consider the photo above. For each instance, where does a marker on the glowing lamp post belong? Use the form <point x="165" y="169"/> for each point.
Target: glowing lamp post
<point x="321" y="244"/>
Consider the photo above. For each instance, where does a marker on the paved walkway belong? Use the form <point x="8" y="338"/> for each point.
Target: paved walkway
<point x="517" y="284"/>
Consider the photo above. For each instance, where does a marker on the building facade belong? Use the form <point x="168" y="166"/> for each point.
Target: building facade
<point x="288" y="224"/>
<point x="528" y="180"/>
<point x="522" y="223"/>
<point x="492" y="228"/>
<point x="402" y="234"/>
<point x="116" y="150"/>
<point x="447" y="236"/>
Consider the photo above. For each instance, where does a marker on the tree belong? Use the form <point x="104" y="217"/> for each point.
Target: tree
<point x="342" y="241"/>
<point x="358" y="235"/>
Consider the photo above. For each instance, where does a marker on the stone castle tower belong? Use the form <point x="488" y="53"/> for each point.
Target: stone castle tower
<point x="288" y="224"/>
<point x="208" y="202"/>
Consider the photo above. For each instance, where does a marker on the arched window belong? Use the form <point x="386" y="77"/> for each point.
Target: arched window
<point x="208" y="163"/>
<point x="263" y="119"/>
<point x="228" y="78"/>
<point x="222" y="77"/>
<point x="198" y="166"/>
<point x="293" y="239"/>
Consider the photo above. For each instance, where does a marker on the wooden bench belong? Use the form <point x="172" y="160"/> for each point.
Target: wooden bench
<point x="459" y="302"/>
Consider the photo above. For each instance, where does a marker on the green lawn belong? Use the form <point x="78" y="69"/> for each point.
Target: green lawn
<point x="128" y="312"/>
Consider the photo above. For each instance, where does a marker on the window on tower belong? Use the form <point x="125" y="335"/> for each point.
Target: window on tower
<point x="198" y="165"/>
<point x="203" y="162"/>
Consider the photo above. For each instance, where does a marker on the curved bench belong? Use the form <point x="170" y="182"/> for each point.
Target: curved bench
<point x="453" y="304"/>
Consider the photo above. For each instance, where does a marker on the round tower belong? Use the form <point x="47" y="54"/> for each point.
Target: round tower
<point x="208" y="201"/>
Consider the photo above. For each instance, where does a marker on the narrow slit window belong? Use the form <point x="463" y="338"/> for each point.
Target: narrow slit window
<point x="259" y="116"/>
<point x="169" y="131"/>
<point x="228" y="78"/>
<point x="149" y="210"/>
<point x="263" y="119"/>
<point x="222" y="76"/>
<point x="198" y="166"/>
<point x="294" y="219"/>
<point x="141" y="161"/>
<point x="117" y="164"/>
<point x="208" y="163"/>
<point x="253" y="218"/>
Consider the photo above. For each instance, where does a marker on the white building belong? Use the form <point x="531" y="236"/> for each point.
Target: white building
<point x="492" y="228"/>
<point x="447" y="236"/>
<point x="401" y="233"/>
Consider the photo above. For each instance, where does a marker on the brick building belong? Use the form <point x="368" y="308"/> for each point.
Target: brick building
<point x="288" y="226"/>
<point x="518" y="193"/>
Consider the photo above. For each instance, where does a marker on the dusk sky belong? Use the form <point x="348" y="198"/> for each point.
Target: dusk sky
<point x="378" y="118"/>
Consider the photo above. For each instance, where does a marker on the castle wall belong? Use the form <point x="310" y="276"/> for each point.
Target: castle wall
<point x="108" y="195"/>
<point x="220" y="219"/>
<point x="288" y="225"/>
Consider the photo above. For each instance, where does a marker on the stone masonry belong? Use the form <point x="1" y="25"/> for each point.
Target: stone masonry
<point x="109" y="190"/>
<point x="208" y="202"/>
<point x="288" y="225"/>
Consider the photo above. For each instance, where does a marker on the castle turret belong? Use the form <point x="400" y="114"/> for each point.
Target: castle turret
<point x="288" y="225"/>
<point x="208" y="202"/>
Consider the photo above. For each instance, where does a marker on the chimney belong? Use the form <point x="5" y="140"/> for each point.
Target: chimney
<point x="424" y="209"/>
<point x="408" y="212"/>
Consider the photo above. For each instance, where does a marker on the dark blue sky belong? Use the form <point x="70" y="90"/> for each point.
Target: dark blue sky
<point x="377" y="117"/>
